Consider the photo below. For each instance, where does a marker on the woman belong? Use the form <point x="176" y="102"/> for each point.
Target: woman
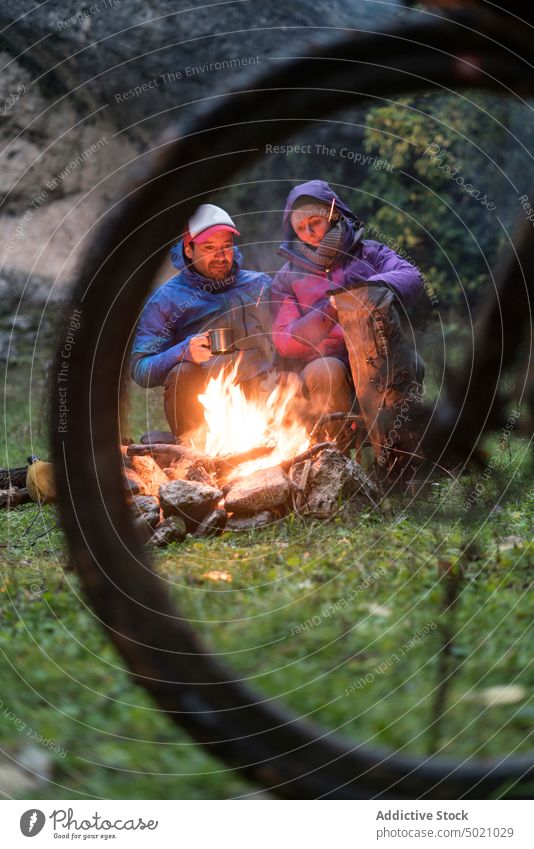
<point x="325" y="250"/>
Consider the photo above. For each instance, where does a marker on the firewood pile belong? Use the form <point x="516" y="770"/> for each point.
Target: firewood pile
<point x="174" y="490"/>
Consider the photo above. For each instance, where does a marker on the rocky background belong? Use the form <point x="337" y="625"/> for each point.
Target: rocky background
<point x="87" y="89"/>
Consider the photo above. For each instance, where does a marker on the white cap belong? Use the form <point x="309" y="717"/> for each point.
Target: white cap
<point x="209" y="219"/>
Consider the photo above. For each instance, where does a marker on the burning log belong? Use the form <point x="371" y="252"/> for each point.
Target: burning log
<point x="190" y="467"/>
<point x="310" y="452"/>
<point x="188" y="471"/>
<point x="150" y="473"/>
<point x="177" y="462"/>
<point x="182" y="463"/>
<point x="265" y="489"/>
<point x="225" y="466"/>
<point x="169" y="456"/>
<point x="143" y="476"/>
<point x="133" y="483"/>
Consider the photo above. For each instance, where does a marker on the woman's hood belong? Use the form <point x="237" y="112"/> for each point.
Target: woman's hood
<point x="319" y="190"/>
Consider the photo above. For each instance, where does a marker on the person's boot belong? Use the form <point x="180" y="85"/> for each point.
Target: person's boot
<point x="385" y="372"/>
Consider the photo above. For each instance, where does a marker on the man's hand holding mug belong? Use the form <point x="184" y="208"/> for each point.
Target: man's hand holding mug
<point x="199" y="348"/>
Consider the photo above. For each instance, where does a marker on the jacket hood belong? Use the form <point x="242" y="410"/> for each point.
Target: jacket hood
<point x="320" y="190"/>
<point x="192" y="277"/>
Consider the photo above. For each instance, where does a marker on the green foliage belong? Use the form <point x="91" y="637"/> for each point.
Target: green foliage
<point x="441" y="202"/>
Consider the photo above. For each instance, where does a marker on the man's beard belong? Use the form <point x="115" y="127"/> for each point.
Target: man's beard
<point x="219" y="271"/>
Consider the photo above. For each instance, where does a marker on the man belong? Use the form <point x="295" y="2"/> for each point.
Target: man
<point x="325" y="251"/>
<point x="210" y="291"/>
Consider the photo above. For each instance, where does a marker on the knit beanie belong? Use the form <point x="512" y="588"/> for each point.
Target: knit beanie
<point x="306" y="206"/>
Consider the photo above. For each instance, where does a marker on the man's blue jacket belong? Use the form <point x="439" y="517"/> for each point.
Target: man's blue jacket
<point x="189" y="304"/>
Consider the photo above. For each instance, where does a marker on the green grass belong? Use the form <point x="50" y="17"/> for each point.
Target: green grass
<point x="319" y="615"/>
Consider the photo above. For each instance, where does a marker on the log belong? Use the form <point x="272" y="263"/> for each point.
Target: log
<point x="224" y="466"/>
<point x="166" y="455"/>
<point x="133" y="483"/>
<point x="189" y="463"/>
<point x="310" y="452"/>
<point x="13" y="477"/>
<point x="150" y="473"/>
<point x="13" y="496"/>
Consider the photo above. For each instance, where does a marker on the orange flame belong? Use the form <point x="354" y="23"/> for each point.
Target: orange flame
<point x="235" y="423"/>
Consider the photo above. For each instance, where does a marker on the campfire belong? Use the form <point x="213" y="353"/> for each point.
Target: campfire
<point x="250" y="464"/>
<point x="236" y="424"/>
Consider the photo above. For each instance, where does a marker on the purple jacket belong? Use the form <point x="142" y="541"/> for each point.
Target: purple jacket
<point x="305" y="325"/>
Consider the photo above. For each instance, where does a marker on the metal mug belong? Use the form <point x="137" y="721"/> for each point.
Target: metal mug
<point x="221" y="340"/>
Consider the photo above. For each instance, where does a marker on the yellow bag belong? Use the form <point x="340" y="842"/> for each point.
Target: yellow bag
<point x="40" y="481"/>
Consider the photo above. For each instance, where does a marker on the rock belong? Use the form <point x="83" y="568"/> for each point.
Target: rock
<point x="93" y="55"/>
<point x="149" y="472"/>
<point x="14" y="780"/>
<point x="170" y="530"/>
<point x="190" y="500"/>
<point x="337" y="481"/>
<point x="265" y="489"/>
<point x="145" y="503"/>
<point x="249" y="523"/>
<point x="37" y="761"/>
<point x="146" y="509"/>
<point x="213" y="524"/>
<point x="133" y="483"/>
